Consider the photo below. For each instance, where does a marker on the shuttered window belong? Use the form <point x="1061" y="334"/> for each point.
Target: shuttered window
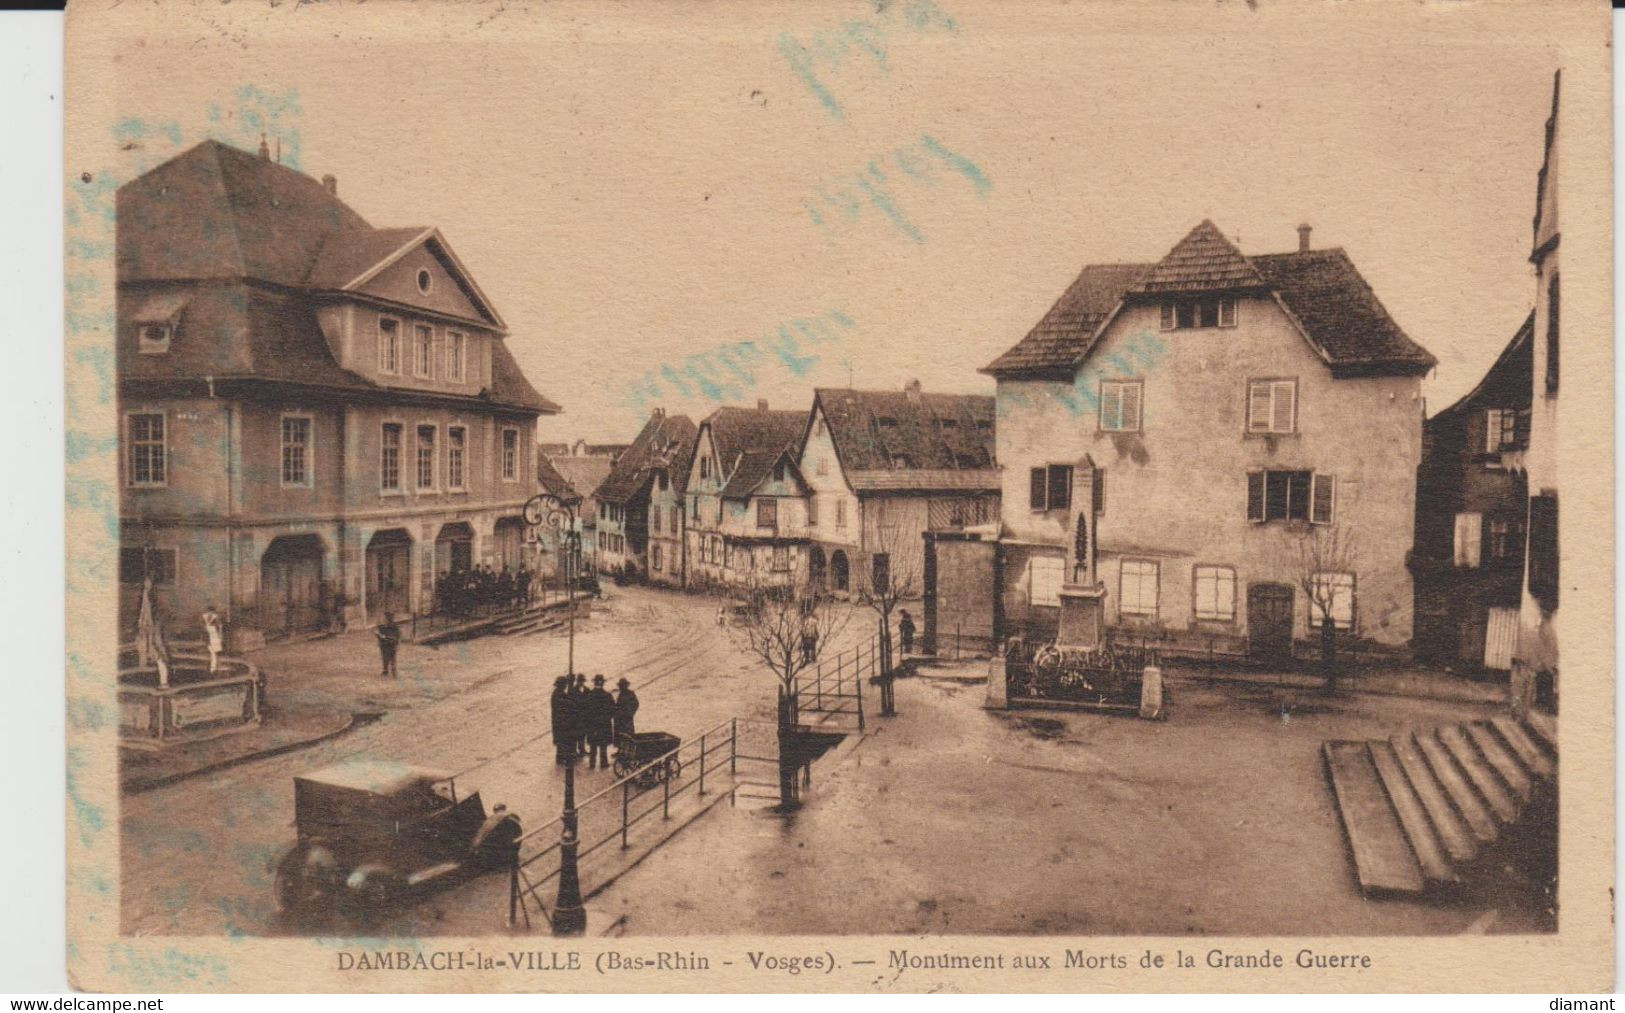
<point x="1215" y="593"/>
<point x="1137" y="588"/>
<point x="1469" y="539"/>
<point x="1272" y="406"/>
<point x="1120" y="402"/>
<point x="1543" y="549"/>
<point x="1044" y="575"/>
<point x="1291" y="496"/>
<point x="1050" y="487"/>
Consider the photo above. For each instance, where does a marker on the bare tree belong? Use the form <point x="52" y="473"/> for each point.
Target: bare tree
<point x="892" y="577"/>
<point x="785" y="629"/>
<point x="1325" y="557"/>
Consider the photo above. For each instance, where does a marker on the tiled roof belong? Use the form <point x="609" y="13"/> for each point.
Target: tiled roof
<point x="1512" y="371"/>
<point x="347" y="255"/>
<point x="1339" y="313"/>
<point x="735" y="431"/>
<point x="926" y="480"/>
<point x="550" y="479"/>
<point x="214" y="213"/>
<point x="1204" y="261"/>
<point x="664" y="441"/>
<point x="1061" y="339"/>
<point x="908" y="431"/>
<point x="585" y="475"/>
<point x="754" y="468"/>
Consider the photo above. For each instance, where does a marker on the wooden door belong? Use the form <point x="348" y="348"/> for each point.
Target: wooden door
<point x="1269" y="623"/>
<point x="389" y="571"/>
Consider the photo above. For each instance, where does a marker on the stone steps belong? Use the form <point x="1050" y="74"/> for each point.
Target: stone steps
<point x="1419" y="809"/>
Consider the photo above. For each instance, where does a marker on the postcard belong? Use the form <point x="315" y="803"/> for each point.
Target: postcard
<point x="857" y="495"/>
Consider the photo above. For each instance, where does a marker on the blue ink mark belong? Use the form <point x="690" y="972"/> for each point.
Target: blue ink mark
<point x="87" y="816"/>
<point x="785" y="347"/>
<point x="673" y="378"/>
<point x="923" y="14"/>
<point x="958" y="163"/>
<point x="888" y="207"/>
<point x="801" y="62"/>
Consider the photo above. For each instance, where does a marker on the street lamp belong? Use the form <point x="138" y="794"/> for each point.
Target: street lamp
<point x="546" y="509"/>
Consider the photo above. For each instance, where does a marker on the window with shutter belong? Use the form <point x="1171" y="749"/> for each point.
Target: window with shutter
<point x="1060" y="486"/>
<point x="1551" y="335"/>
<point x="1543" y="550"/>
<point x="1469" y="539"/>
<point x="1255" y="497"/>
<point x="1120" y="405"/>
<point x="1099" y="492"/>
<point x="1272" y="406"/>
<point x="1215" y="593"/>
<point x="1036" y="497"/>
<point x="1137" y="587"/>
<point x="1322" y="498"/>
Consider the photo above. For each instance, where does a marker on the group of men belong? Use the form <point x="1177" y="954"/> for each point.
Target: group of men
<point x="461" y="592"/>
<point x="586" y="721"/>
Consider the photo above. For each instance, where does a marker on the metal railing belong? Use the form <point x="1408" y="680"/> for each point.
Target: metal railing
<point x="641" y="794"/>
<point x="833" y="687"/>
<point x="450" y="613"/>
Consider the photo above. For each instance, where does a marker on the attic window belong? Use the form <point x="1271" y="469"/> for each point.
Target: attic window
<point x="1214" y="311"/>
<point x="153" y="339"/>
<point x="425" y="280"/>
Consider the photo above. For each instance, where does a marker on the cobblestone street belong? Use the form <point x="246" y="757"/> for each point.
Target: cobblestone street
<point x="197" y="853"/>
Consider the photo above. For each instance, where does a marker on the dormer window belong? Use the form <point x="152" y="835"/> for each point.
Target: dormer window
<point x="1213" y="311"/>
<point x="425" y="280"/>
<point x="153" y="339"/>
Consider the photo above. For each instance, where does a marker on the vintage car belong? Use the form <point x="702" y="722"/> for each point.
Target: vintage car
<point x="371" y="832"/>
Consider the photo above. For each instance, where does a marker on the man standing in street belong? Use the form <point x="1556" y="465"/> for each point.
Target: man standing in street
<point x="389" y="638"/>
<point x="563" y="721"/>
<point x="578" y="706"/>
<point x="626" y="710"/>
<point x="905" y="630"/>
<point x="600" y="723"/>
<point x="215" y="633"/>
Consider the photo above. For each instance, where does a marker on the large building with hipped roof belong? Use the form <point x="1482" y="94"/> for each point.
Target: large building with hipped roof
<point x="316" y="415"/>
<point x="1174" y="433"/>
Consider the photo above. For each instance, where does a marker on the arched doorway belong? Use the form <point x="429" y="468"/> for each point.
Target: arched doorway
<point x="815" y="567"/>
<point x="291" y="585"/>
<point x="509" y="536"/>
<point x="389" y="574"/>
<point x="840" y="578"/>
<point x="453" y="549"/>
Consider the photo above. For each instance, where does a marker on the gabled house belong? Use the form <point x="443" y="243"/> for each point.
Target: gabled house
<point x="315" y="413"/>
<point x="634" y="501"/>
<point x="747" y="500"/>
<point x="549" y="541"/>
<point x="885" y="467"/>
<point x="1174" y="432"/>
<point x="1534" y="661"/>
<point x="1470" y="506"/>
<point x="584" y="474"/>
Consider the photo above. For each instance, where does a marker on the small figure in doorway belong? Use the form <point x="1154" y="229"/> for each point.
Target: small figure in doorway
<point x="389" y="639"/>
<point x="215" y="633"/>
<point x="722" y="614"/>
<point x="809" y="637"/>
<point x="905" y="631"/>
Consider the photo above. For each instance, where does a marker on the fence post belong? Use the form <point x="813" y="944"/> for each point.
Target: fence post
<point x="857" y="690"/>
<point x="702" y="765"/>
<point x="626" y="799"/>
<point x="733" y="747"/>
<point x="818" y="683"/>
<point x="513" y="890"/>
<point x="665" y="786"/>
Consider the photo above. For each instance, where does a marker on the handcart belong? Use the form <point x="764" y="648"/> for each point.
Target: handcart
<point x="637" y="753"/>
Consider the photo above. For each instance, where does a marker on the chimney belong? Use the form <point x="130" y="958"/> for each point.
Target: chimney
<point x="1303" y="237"/>
<point x="761" y="404"/>
<point x="912" y="389"/>
<point x="265" y="149"/>
<point x="330" y="183"/>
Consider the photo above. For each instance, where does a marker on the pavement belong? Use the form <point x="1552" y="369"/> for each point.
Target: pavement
<point x="952" y="819"/>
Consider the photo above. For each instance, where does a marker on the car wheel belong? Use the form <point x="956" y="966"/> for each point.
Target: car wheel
<point x="292" y="889"/>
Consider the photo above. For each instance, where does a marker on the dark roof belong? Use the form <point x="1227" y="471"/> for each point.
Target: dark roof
<point x="347" y="255"/>
<point x="754" y="468"/>
<point x="1061" y="339"/>
<point x="1340" y="315"/>
<point x="735" y="431"/>
<point x="584" y="474"/>
<point x="885" y="430"/>
<point x="1546" y="161"/>
<point x="214" y="213"/>
<point x="1204" y="261"/>
<point x="664" y="441"/>
<point x="1509" y="382"/>
<point x="550" y="479"/>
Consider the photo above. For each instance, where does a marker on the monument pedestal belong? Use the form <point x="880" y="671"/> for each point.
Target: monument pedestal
<point x="1083" y="616"/>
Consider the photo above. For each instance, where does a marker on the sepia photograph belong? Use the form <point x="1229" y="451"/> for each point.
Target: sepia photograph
<point x="1001" y="497"/>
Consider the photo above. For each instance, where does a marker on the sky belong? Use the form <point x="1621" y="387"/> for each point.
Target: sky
<point x="683" y="208"/>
